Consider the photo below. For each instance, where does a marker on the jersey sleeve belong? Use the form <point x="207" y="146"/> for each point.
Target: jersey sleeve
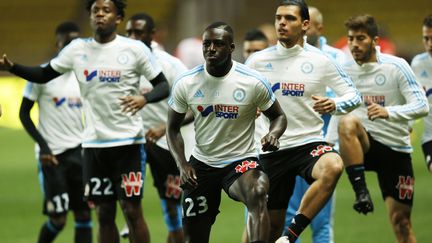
<point x="63" y="62"/>
<point x="178" y="98"/>
<point x="416" y="104"/>
<point x="264" y="97"/>
<point x="32" y="91"/>
<point x="147" y="64"/>
<point x="348" y="97"/>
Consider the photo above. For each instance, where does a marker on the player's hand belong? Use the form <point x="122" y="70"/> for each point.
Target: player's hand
<point x="5" y="63"/>
<point x="269" y="143"/>
<point x="375" y="111"/>
<point x="258" y="113"/>
<point x="132" y="103"/>
<point x="323" y="105"/>
<point x="155" y="133"/>
<point x="188" y="176"/>
<point x="48" y="160"/>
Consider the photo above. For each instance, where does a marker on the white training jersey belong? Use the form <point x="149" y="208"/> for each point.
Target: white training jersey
<point x="105" y="73"/>
<point x="60" y="113"/>
<point x="336" y="54"/>
<point x="296" y="74"/>
<point x="391" y="83"/>
<point x="224" y="109"/>
<point x="156" y="113"/>
<point x="422" y="67"/>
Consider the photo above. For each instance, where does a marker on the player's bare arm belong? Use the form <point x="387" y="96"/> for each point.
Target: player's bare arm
<point x="278" y="124"/>
<point x="176" y="145"/>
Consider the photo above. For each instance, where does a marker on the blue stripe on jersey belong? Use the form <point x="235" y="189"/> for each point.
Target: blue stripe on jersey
<point x="194" y="70"/>
<point x="113" y="140"/>
<point x="248" y="72"/>
<point x="410" y="77"/>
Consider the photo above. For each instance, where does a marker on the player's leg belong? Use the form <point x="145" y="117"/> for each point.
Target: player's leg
<point x="322" y="168"/>
<point x="138" y="229"/>
<point x="427" y="151"/>
<point x="400" y="218"/>
<point x="322" y="223"/>
<point x="166" y="177"/>
<point x="105" y="213"/>
<point x="354" y="143"/>
<point x="251" y="187"/>
<point x="294" y="202"/>
<point x="201" y="204"/>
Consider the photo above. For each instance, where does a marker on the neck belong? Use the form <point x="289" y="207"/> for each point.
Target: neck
<point x="220" y="70"/>
<point x="372" y="58"/>
<point x="289" y="44"/>
<point x="105" y="38"/>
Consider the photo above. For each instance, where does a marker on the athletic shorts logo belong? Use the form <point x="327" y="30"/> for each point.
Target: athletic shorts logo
<point x="320" y="150"/>
<point x="221" y="111"/>
<point x="406" y="187"/>
<point x="289" y="89"/>
<point x="173" y="189"/>
<point x="245" y="165"/>
<point x="380" y="79"/>
<point x="239" y="94"/>
<point x="307" y="67"/>
<point x="90" y="75"/>
<point x="132" y="184"/>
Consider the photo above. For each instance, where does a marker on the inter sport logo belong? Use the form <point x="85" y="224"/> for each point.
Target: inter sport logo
<point x="91" y="75"/>
<point x="221" y="111"/>
<point x="289" y="89"/>
<point x="108" y="76"/>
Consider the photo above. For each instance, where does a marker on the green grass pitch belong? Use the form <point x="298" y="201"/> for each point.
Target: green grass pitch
<point x="21" y="218"/>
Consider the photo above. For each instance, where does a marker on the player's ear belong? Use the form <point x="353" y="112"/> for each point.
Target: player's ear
<point x="232" y="47"/>
<point x="119" y="19"/>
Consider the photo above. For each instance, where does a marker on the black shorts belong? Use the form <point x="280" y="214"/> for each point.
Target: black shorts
<point x="62" y="184"/>
<point x="427" y="152"/>
<point x="166" y="176"/>
<point x="114" y="173"/>
<point x="283" y="166"/>
<point x="394" y="170"/>
<point x="201" y="205"/>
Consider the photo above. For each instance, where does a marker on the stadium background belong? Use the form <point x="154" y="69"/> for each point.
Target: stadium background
<point x="26" y="29"/>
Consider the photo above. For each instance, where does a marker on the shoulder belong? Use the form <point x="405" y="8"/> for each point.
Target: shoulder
<point x="188" y="76"/>
<point x="419" y="58"/>
<point x="257" y="56"/>
<point x="168" y="58"/>
<point x="394" y="61"/>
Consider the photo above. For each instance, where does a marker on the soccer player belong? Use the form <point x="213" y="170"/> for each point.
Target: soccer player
<point x="223" y="96"/>
<point x="375" y="137"/>
<point x="322" y="224"/>
<point x="422" y="67"/>
<point x="165" y="173"/>
<point x="108" y="68"/>
<point x="254" y="41"/>
<point x="58" y="149"/>
<point x="299" y="74"/>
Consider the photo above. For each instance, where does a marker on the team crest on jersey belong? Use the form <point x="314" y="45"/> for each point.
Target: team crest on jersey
<point x="320" y="150"/>
<point x="122" y="59"/>
<point x="307" y="67"/>
<point x="245" y="166"/>
<point x="380" y="79"/>
<point x="289" y="89"/>
<point x="406" y="187"/>
<point x="105" y="76"/>
<point x="221" y="111"/>
<point x="378" y="99"/>
<point x="239" y="94"/>
<point x="132" y="184"/>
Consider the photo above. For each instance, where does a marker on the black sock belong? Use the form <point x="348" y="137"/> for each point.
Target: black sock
<point x="83" y="231"/>
<point x="357" y="178"/>
<point x="48" y="232"/>
<point x="298" y="224"/>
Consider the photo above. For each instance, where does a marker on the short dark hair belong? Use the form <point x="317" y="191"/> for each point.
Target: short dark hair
<point x="221" y="25"/>
<point x="147" y="18"/>
<point x="304" y="10"/>
<point x="428" y="21"/>
<point x="363" y="22"/>
<point x="120" y="5"/>
<point x="255" y="35"/>
<point x="67" y="27"/>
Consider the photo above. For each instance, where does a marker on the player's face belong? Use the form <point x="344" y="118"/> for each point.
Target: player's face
<point x="314" y="32"/>
<point x="137" y="30"/>
<point x="217" y="46"/>
<point x="427" y="39"/>
<point x="250" y="47"/>
<point x="63" y="40"/>
<point x="361" y="45"/>
<point x="289" y="26"/>
<point x="103" y="17"/>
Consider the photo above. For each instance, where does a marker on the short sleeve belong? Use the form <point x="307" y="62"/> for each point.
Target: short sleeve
<point x="146" y="63"/>
<point x="32" y="91"/>
<point x="264" y="97"/>
<point x="177" y="100"/>
<point x="63" y="62"/>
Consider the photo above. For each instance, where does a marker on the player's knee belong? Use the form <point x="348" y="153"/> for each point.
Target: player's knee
<point x="131" y="210"/>
<point x="257" y="193"/>
<point x="105" y="214"/>
<point x="82" y="215"/>
<point x="172" y="215"/>
<point x="58" y="222"/>
<point x="347" y="125"/>
<point x="401" y="222"/>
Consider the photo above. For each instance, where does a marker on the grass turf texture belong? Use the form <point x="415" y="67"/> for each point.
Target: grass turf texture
<point x="21" y="199"/>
